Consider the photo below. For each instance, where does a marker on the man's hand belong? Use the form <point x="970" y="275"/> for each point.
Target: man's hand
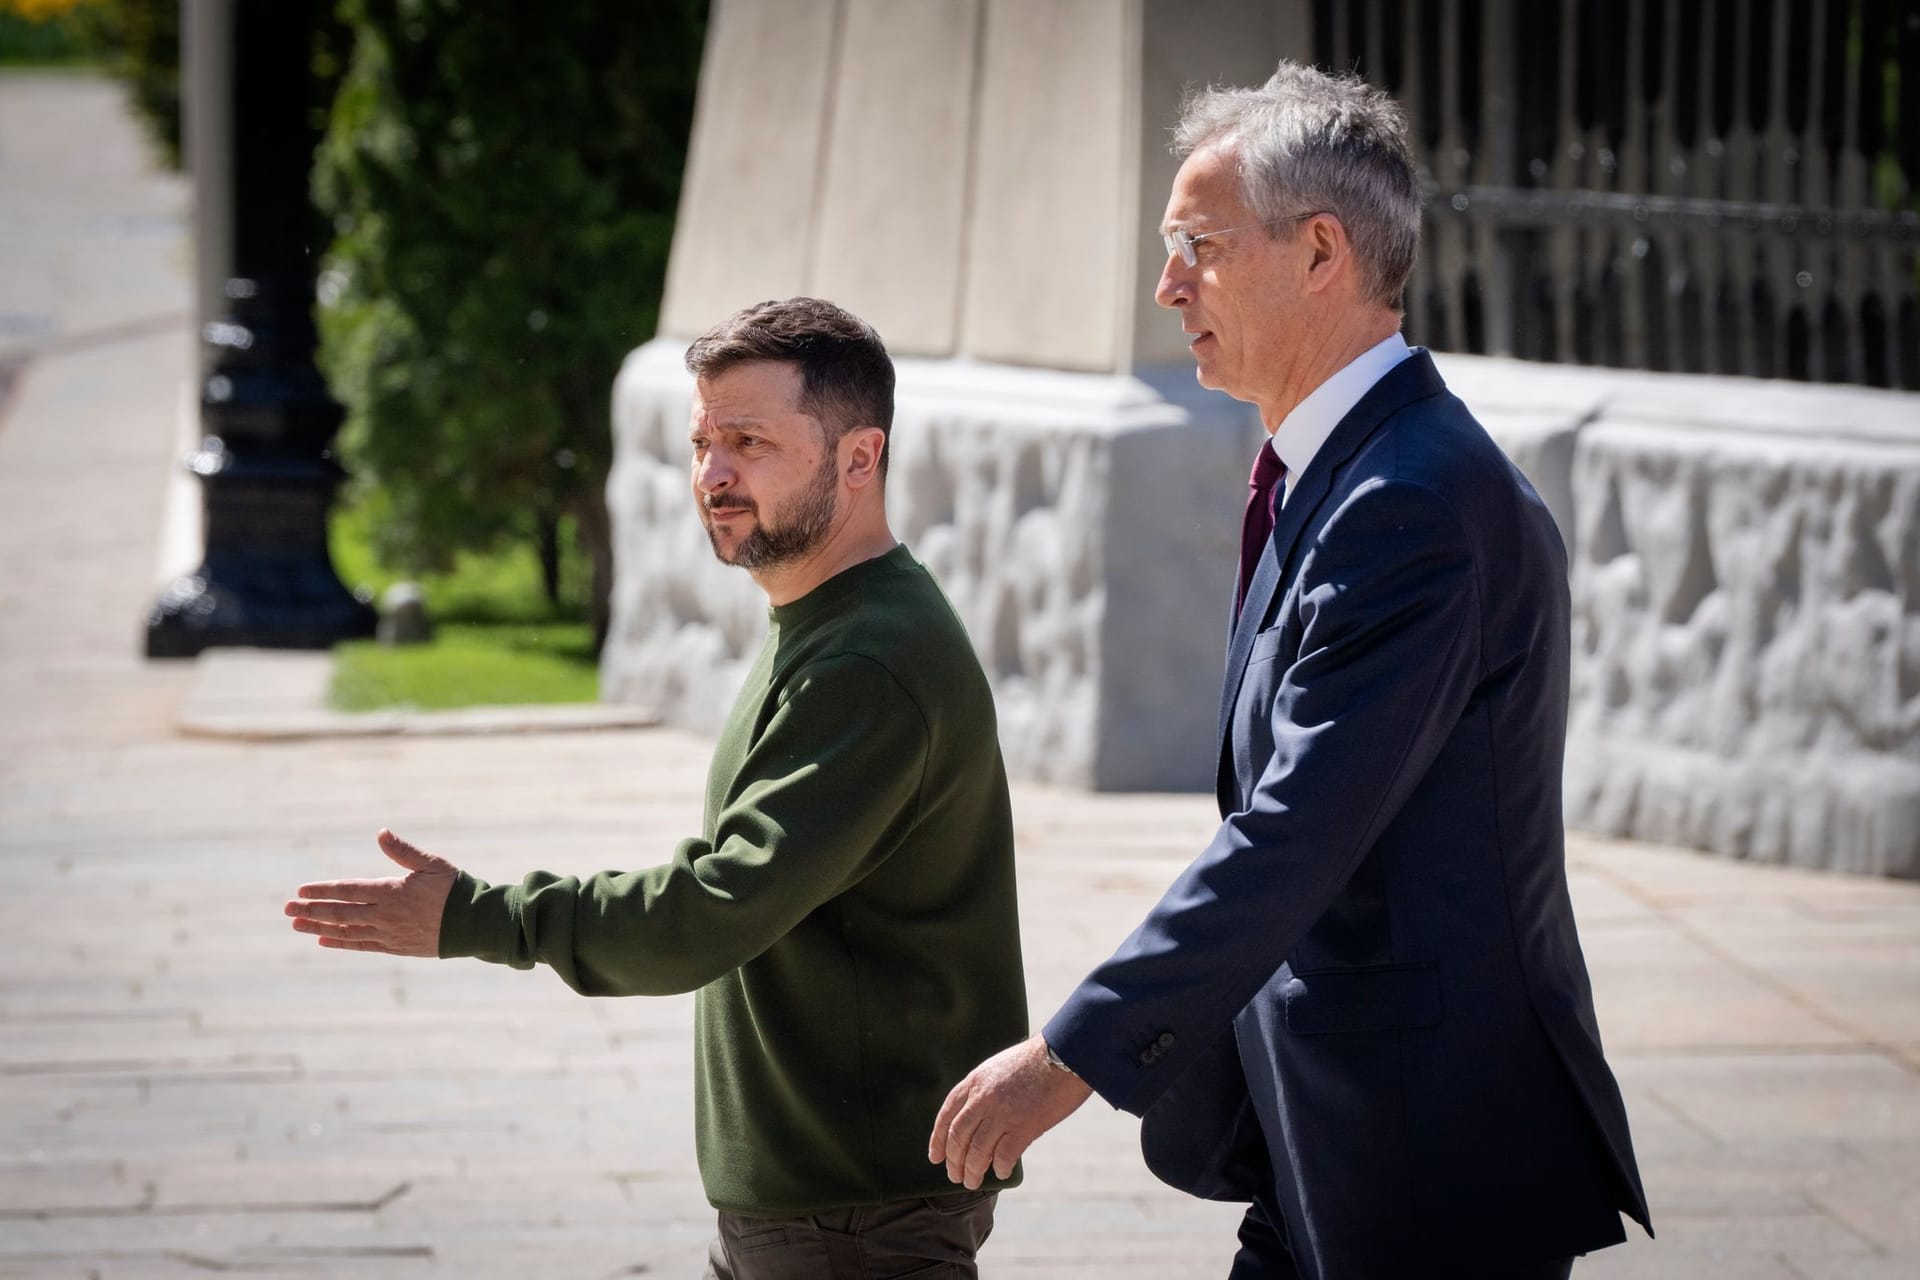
<point x="399" y="915"/>
<point x="994" y="1115"/>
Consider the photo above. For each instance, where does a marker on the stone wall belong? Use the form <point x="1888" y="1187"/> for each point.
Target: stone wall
<point x="1084" y="526"/>
<point x="982" y="181"/>
<point x="1746" y="590"/>
<point x="1745" y="559"/>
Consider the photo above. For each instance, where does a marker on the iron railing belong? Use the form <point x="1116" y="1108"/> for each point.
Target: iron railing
<point x="1710" y="186"/>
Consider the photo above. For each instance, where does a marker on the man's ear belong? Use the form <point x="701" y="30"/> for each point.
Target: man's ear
<point x="1329" y="254"/>
<point x="860" y="451"/>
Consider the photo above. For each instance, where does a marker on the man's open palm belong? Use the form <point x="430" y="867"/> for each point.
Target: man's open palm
<point x="397" y="915"/>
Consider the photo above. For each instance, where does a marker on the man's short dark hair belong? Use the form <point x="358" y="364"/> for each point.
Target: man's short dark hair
<point x="846" y="376"/>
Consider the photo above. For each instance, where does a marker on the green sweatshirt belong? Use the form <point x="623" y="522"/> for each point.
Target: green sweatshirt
<point x="847" y="915"/>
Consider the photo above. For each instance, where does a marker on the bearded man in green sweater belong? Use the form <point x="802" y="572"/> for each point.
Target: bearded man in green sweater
<point x="847" y="914"/>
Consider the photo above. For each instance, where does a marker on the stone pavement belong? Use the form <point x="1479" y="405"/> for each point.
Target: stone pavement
<point x="188" y="1087"/>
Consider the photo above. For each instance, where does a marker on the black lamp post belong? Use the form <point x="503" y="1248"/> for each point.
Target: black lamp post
<point x="266" y="471"/>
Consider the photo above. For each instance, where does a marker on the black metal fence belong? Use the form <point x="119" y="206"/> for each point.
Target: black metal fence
<point x="1709" y="186"/>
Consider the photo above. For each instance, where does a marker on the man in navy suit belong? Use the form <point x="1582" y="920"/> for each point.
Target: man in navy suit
<point x="1363" y="1008"/>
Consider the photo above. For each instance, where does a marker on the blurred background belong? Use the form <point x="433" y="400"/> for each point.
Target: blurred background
<point x="492" y="200"/>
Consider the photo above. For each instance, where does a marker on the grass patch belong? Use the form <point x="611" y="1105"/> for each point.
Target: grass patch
<point x="497" y="640"/>
<point x="500" y="586"/>
<point x="469" y="665"/>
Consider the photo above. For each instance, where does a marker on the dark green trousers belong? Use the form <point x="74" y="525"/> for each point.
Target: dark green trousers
<point x="931" y="1239"/>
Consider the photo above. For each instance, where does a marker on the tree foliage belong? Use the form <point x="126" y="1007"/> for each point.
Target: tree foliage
<point x="43" y="33"/>
<point x="502" y="181"/>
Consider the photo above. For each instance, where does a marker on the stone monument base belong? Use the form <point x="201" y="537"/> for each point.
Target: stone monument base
<point x="1084" y="525"/>
<point x="1746" y="605"/>
<point x="1745" y="574"/>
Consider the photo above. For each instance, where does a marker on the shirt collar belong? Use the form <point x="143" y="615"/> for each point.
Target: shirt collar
<point x="1301" y="433"/>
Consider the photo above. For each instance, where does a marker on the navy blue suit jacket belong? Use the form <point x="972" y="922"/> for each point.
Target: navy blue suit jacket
<point x="1364" y="1006"/>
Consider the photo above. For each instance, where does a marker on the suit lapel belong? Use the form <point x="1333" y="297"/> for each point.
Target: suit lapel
<point x="1412" y="379"/>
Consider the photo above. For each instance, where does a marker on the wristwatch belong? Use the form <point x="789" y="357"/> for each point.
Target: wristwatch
<point x="1055" y="1060"/>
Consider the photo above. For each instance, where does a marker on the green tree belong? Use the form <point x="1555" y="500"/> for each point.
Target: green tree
<point x="502" y="181"/>
<point x="41" y="33"/>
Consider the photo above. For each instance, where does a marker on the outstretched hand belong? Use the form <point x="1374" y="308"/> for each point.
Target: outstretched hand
<point x="994" y="1115"/>
<point x="397" y="915"/>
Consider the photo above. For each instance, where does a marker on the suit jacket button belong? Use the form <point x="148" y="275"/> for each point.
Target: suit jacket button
<point x="1166" y="1040"/>
<point x="1149" y="1056"/>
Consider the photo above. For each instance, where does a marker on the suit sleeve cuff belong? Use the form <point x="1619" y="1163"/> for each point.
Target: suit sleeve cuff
<point x="1117" y="1072"/>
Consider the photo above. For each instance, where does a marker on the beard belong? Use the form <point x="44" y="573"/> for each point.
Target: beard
<point x="802" y="523"/>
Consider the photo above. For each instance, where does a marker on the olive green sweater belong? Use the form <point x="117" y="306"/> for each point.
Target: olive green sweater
<point x="847" y="915"/>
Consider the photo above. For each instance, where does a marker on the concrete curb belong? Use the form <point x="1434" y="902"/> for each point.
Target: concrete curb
<point x="262" y="695"/>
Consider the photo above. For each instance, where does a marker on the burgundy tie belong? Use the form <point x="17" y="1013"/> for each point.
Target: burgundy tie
<point x="1257" y="525"/>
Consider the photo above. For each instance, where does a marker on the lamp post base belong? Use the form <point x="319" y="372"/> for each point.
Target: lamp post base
<point x="267" y="580"/>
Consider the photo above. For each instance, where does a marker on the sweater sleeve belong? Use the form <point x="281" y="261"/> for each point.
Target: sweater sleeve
<point x="822" y="796"/>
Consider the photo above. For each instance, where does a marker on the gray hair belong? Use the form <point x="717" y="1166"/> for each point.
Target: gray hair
<point x="1306" y="140"/>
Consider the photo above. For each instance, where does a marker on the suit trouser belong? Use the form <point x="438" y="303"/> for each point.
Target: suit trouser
<point x="934" y="1238"/>
<point x="1264" y="1256"/>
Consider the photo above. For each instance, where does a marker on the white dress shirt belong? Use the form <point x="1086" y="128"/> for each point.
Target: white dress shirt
<point x="1302" y="432"/>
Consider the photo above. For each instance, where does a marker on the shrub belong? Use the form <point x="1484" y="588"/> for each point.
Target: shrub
<point x="502" y="182"/>
<point x="41" y="33"/>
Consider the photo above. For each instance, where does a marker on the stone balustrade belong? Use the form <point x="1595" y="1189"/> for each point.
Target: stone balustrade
<point x="1083" y="525"/>
<point x="1745" y="563"/>
<point x="1746" y="596"/>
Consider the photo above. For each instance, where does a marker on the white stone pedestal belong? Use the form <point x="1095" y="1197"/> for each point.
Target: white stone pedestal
<point x="1745" y="560"/>
<point x="982" y="181"/>
<point x="1085" y="527"/>
<point x="1746" y="605"/>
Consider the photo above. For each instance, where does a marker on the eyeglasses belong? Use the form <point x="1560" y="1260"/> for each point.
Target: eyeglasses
<point x="1180" y="241"/>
